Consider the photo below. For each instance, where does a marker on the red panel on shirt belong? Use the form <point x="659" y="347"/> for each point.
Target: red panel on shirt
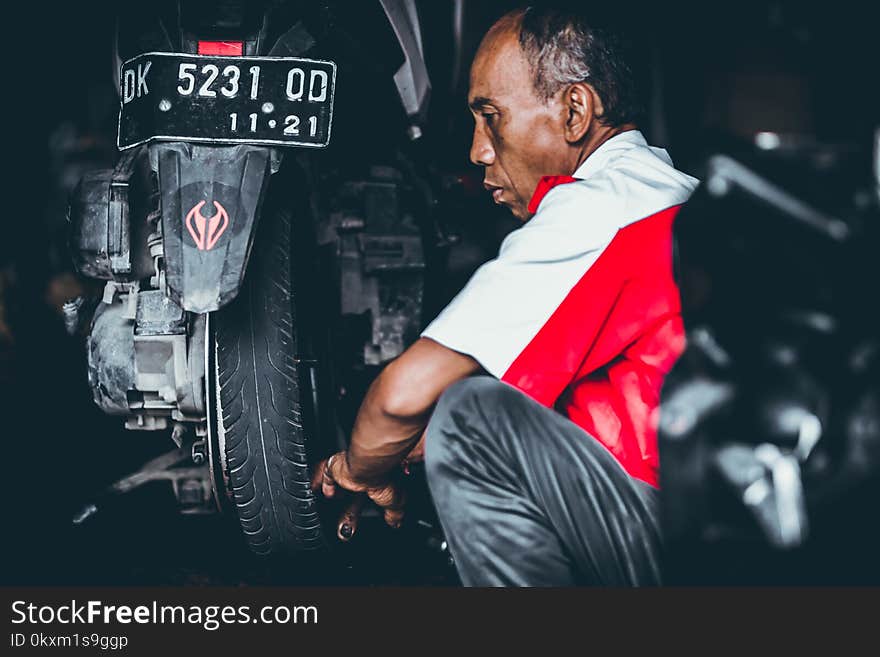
<point x="602" y="356"/>
<point x="545" y="185"/>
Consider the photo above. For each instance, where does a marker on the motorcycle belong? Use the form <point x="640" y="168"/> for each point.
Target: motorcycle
<point x="261" y="242"/>
<point x="770" y="424"/>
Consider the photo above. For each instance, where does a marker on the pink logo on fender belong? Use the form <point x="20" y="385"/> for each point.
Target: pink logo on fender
<point x="206" y="231"/>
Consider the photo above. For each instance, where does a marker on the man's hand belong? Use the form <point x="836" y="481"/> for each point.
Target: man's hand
<point x="393" y="415"/>
<point x="332" y="474"/>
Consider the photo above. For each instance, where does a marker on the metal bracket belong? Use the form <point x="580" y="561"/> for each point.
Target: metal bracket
<point x="191" y="485"/>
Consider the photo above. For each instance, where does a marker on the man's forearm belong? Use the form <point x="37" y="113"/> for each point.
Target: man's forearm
<point x="380" y="440"/>
<point x="398" y="406"/>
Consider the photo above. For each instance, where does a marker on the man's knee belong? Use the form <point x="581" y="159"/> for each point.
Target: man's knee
<point x="456" y="419"/>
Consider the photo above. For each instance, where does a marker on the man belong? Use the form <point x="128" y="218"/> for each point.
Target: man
<point x="578" y="313"/>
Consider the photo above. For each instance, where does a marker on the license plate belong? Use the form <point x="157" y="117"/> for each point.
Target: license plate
<point x="276" y="101"/>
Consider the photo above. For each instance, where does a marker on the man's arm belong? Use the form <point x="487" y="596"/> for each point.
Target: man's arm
<point x="398" y="405"/>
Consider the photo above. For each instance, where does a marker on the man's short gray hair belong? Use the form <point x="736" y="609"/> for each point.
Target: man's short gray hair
<point x="564" y="49"/>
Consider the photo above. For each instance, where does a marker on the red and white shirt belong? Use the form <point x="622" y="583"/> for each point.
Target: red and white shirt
<point x="580" y="310"/>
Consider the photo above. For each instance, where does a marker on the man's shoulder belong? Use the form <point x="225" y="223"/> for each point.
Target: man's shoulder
<point x="635" y="184"/>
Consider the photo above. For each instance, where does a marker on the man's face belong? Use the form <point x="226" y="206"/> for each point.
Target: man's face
<point x="518" y="137"/>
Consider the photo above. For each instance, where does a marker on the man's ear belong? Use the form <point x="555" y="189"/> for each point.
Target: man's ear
<point x="582" y="106"/>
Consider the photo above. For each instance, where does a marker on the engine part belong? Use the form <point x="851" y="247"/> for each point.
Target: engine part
<point x="142" y="364"/>
<point x="110" y="348"/>
<point x="381" y="263"/>
<point x="100" y="225"/>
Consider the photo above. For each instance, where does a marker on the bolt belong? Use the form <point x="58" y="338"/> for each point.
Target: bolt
<point x="268" y="108"/>
<point x="198" y="454"/>
<point x="164" y="105"/>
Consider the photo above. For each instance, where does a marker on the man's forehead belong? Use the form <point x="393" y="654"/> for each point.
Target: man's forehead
<point x="500" y="71"/>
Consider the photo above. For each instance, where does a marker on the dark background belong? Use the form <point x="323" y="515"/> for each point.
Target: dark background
<point x="715" y="74"/>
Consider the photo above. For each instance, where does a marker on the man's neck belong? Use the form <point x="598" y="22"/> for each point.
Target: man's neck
<point x="597" y="138"/>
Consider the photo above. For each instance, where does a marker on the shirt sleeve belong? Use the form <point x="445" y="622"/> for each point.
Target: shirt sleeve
<point x="519" y="296"/>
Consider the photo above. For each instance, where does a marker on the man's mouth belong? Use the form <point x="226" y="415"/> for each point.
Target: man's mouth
<point x="495" y="190"/>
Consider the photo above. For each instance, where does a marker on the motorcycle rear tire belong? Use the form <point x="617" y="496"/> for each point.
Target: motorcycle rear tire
<point x="259" y="401"/>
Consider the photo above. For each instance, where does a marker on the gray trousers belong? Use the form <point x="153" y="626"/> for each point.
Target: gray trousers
<point x="527" y="498"/>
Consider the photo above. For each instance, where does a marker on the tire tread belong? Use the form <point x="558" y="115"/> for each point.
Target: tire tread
<point x="268" y="472"/>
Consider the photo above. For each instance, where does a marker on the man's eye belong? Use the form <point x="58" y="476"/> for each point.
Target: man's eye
<point x="489" y="117"/>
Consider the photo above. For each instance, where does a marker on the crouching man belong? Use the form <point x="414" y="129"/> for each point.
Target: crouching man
<point x="544" y="472"/>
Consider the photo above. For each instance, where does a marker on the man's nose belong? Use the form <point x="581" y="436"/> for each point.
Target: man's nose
<point x="482" y="152"/>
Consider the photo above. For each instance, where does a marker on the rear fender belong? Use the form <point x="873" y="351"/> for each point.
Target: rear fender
<point x="210" y="202"/>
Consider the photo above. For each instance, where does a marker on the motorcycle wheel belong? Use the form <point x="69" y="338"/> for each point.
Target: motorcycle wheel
<point x="263" y="444"/>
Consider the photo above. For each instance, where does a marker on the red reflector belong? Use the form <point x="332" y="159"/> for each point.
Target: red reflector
<point x="221" y="48"/>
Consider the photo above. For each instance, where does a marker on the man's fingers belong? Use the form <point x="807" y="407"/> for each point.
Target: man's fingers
<point x="328" y="485"/>
<point x="322" y="478"/>
<point x="348" y="522"/>
<point x="391" y="499"/>
<point x="394" y="517"/>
